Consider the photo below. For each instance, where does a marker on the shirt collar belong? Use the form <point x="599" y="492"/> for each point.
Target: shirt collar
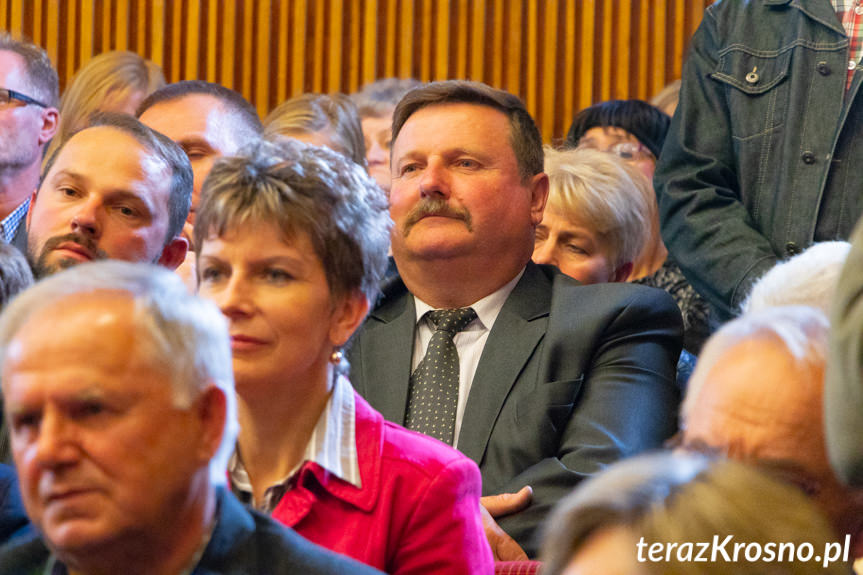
<point x="487" y="309"/>
<point x="10" y="223"/>
<point x="333" y="446"/>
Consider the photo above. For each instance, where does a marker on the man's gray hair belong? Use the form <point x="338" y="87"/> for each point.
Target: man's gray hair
<point x="801" y="330"/>
<point x="808" y="278"/>
<point x="163" y="148"/>
<point x="379" y="98"/>
<point x="186" y="334"/>
<point x="41" y="75"/>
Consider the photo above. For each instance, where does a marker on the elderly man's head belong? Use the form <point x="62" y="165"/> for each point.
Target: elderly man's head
<point x="114" y="190"/>
<point x="757" y="395"/>
<point x="207" y="120"/>
<point x="117" y="386"/>
<point x="809" y="278"/>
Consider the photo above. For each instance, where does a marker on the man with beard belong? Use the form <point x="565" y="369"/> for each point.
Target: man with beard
<point x="114" y="190"/>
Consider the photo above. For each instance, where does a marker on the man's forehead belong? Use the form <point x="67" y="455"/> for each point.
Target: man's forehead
<point x="85" y="151"/>
<point x="13" y="72"/>
<point x="438" y="124"/>
<point x="757" y="386"/>
<point x="193" y="116"/>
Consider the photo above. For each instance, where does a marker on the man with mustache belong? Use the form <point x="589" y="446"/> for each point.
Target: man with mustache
<point x="545" y="381"/>
<point x="114" y="190"/>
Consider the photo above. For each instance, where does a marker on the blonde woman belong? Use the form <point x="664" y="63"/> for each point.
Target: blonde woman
<point x="110" y="82"/>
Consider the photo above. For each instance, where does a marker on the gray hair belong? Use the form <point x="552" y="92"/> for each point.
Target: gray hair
<point x="165" y="149"/>
<point x="801" y="330"/>
<point x="677" y="498"/>
<point x="809" y="278"/>
<point x="187" y="334"/>
<point x="379" y="98"/>
<point x="302" y="188"/>
<point x="15" y="273"/>
<point x="41" y="75"/>
<point x="604" y="193"/>
<point x="334" y="115"/>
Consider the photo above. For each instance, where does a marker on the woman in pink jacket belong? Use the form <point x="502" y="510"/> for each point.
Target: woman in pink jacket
<point x="291" y="244"/>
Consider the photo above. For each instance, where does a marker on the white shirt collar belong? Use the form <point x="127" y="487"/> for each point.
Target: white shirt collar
<point x="487" y="309"/>
<point x="333" y="446"/>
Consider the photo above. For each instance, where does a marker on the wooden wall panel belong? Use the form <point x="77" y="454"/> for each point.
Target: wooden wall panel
<point x="558" y="55"/>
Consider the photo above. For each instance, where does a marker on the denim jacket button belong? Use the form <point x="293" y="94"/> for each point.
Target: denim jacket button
<point x="808" y="157"/>
<point x="792" y="249"/>
<point x="823" y="68"/>
<point x="752" y="77"/>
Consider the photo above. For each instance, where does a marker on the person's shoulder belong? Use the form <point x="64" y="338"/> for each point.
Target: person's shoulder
<point x="23" y="555"/>
<point x="574" y="295"/>
<point x="283" y="551"/>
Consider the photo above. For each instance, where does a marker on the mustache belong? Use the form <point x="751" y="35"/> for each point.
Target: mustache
<point x="435" y="207"/>
<point x="85" y="242"/>
<point x="40" y="266"/>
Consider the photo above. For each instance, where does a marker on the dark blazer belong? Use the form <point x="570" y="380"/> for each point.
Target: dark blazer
<point x="13" y="518"/>
<point x="572" y="378"/>
<point x="19" y="240"/>
<point x="244" y="542"/>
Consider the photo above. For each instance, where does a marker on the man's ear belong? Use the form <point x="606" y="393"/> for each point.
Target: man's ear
<point x="538" y="196"/>
<point x="347" y="317"/>
<point x="174" y="253"/>
<point x="211" y="409"/>
<point x="622" y="273"/>
<point x="50" y="123"/>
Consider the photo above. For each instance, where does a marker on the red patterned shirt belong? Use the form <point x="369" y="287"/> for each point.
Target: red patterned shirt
<point x="850" y="13"/>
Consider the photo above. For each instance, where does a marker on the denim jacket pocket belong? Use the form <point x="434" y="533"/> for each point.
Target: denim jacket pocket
<point x="756" y="87"/>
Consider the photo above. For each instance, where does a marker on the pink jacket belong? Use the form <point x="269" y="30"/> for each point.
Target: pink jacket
<point x="417" y="511"/>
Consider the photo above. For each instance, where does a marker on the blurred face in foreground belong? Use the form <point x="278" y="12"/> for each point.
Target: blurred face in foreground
<point x="108" y="462"/>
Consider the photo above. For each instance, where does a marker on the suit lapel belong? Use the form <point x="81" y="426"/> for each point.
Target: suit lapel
<point x="388" y="344"/>
<point x="518" y="329"/>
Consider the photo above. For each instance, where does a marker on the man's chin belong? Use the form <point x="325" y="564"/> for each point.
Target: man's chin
<point x="44" y="268"/>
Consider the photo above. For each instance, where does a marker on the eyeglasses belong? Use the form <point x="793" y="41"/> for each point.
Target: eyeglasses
<point x="629" y="151"/>
<point x="7" y="96"/>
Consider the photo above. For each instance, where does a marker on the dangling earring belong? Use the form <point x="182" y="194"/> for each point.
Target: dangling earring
<point x="336" y="357"/>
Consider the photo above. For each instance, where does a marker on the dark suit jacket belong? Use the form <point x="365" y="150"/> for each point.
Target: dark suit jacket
<point x="19" y="240"/>
<point x="13" y="518"/>
<point x="572" y="378"/>
<point x="244" y="542"/>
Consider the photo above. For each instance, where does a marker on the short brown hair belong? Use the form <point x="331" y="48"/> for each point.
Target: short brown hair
<point x="524" y="135"/>
<point x="304" y="188"/>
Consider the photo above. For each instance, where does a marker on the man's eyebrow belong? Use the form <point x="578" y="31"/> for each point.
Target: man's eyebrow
<point x="67" y="173"/>
<point x="193" y="140"/>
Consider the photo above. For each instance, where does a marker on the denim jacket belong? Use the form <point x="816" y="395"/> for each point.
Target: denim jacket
<point x="745" y="176"/>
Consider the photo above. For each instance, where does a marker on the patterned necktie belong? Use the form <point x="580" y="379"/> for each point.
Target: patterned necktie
<point x="434" y="383"/>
